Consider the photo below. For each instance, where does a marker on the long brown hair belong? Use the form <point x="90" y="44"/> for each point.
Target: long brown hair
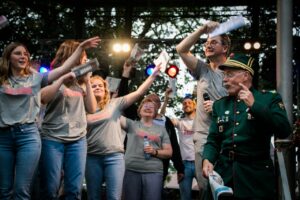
<point x="102" y="103"/>
<point x="64" y="51"/>
<point x="5" y="68"/>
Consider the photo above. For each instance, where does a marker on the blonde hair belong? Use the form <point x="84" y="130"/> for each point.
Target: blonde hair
<point x="103" y="102"/>
<point x="5" y="68"/>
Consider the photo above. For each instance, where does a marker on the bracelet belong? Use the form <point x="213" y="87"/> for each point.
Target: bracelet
<point x="156" y="153"/>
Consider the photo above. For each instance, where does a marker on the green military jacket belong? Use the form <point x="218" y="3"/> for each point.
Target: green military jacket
<point x="247" y="133"/>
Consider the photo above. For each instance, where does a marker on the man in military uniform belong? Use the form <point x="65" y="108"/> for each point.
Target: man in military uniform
<point x="239" y="136"/>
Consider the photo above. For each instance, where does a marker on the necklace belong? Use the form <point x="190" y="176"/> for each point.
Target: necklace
<point x="15" y="81"/>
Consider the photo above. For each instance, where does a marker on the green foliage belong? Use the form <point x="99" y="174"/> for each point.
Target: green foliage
<point x="43" y="25"/>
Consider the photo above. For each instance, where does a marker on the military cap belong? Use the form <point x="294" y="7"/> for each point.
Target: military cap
<point x="239" y="61"/>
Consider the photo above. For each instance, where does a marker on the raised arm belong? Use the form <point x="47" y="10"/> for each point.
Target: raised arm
<point x="71" y="61"/>
<point x="123" y="88"/>
<point x="89" y="97"/>
<point x="134" y="96"/>
<point x="183" y="48"/>
<point x="166" y="100"/>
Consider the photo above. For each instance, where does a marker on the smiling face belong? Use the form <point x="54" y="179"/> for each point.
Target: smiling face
<point x="98" y="87"/>
<point x="147" y="109"/>
<point x="19" y="59"/>
<point x="215" y="47"/>
<point x="188" y="106"/>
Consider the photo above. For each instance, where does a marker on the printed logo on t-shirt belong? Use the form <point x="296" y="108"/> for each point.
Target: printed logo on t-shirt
<point x="71" y="93"/>
<point x="18" y="91"/>
<point x="151" y="136"/>
<point x="188" y="132"/>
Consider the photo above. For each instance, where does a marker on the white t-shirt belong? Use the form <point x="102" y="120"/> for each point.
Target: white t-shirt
<point x="185" y="133"/>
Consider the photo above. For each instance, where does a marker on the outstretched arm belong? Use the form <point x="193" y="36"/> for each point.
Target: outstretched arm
<point x="183" y="48"/>
<point x="70" y="62"/>
<point x="134" y="96"/>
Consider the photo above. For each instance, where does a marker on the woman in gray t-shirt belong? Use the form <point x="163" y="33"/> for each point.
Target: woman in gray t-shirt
<point x="20" y="144"/>
<point x="105" y="160"/>
<point x="144" y="166"/>
<point x="63" y="129"/>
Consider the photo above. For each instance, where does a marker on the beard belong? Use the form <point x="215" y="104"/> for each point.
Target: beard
<point x="188" y="112"/>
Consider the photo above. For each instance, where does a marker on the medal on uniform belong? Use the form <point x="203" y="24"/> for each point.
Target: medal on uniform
<point x="226" y="119"/>
<point x="249" y="116"/>
<point x="221" y="129"/>
<point x="281" y="105"/>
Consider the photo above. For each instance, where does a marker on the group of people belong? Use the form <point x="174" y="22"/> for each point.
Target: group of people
<point x="83" y="129"/>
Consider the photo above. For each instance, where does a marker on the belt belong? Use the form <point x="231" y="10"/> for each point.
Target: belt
<point x="234" y="156"/>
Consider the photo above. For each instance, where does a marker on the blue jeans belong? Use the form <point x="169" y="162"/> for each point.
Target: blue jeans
<point x="143" y="186"/>
<point x="185" y="185"/>
<point x="109" y="168"/>
<point x="20" y="149"/>
<point x="69" y="157"/>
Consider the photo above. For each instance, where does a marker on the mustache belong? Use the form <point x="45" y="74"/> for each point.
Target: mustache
<point x="230" y="85"/>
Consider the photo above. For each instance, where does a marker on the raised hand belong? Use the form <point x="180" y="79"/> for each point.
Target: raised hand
<point x="246" y="95"/>
<point x="210" y="26"/>
<point x="86" y="77"/>
<point x="156" y="70"/>
<point x="127" y="67"/>
<point x="69" y="77"/>
<point x="90" y="43"/>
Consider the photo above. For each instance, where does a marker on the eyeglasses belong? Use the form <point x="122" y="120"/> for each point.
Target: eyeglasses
<point x="211" y="43"/>
<point x="148" y="105"/>
<point x="232" y="74"/>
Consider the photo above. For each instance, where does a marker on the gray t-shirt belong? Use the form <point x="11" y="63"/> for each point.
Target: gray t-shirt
<point x="211" y="82"/>
<point x="105" y="135"/>
<point x="134" y="156"/>
<point x="20" y="100"/>
<point x="65" y="117"/>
